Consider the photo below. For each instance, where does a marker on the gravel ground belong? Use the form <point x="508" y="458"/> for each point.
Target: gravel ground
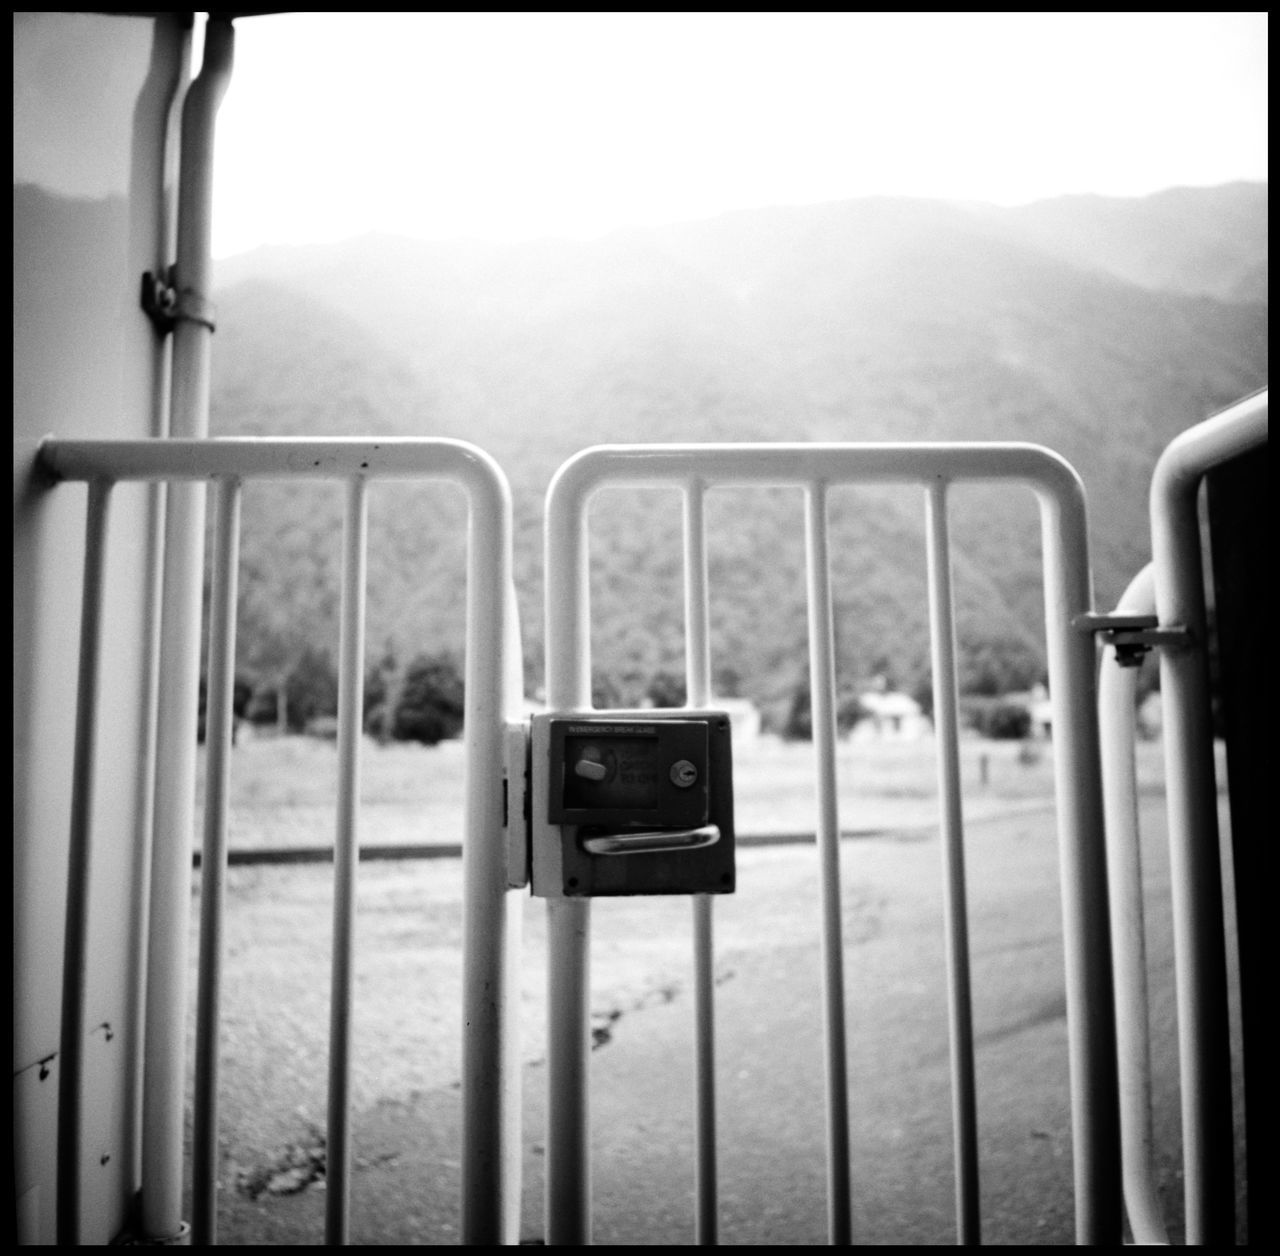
<point x="408" y="1043"/>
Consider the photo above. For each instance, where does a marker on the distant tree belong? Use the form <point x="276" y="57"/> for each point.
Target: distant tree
<point x="727" y="682"/>
<point x="430" y="705"/>
<point x="1008" y="721"/>
<point x="288" y="605"/>
<point x="381" y="688"/>
<point x="604" y="690"/>
<point x="995" y="717"/>
<point x="666" y="690"/>
<point x="799" y="723"/>
<point x="241" y="695"/>
<point x="990" y="668"/>
<point x="311" y="689"/>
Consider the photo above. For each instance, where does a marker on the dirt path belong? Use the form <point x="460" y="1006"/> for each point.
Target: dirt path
<point x="405" y="1188"/>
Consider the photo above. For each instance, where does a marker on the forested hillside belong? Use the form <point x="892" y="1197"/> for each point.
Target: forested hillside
<point x="1099" y="328"/>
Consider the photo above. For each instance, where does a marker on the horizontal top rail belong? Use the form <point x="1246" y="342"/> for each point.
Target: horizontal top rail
<point x="268" y="458"/>
<point x="799" y="464"/>
<point x="803" y="465"/>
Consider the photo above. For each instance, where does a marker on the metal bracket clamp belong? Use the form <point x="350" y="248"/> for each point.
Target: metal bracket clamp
<point x="1132" y="636"/>
<point x="166" y="305"/>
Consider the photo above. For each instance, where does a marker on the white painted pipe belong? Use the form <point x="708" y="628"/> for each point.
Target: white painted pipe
<point x="705" y="1180"/>
<point x="165" y="1040"/>
<point x="220" y="717"/>
<point x="346" y="855"/>
<point x="1199" y="941"/>
<point x="697" y="614"/>
<point x="153" y="588"/>
<point x="75" y="948"/>
<point x="822" y="693"/>
<point x="697" y="637"/>
<point x="1117" y="691"/>
<point x="946" y="720"/>
<point x="568" y="1168"/>
<point x="491" y="1155"/>
<point x="1082" y="855"/>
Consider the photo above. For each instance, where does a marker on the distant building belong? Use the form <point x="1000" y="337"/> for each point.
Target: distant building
<point x="890" y="717"/>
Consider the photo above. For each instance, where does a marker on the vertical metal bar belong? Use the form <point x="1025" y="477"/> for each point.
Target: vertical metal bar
<point x="1199" y="940"/>
<point x="1117" y="689"/>
<point x="568" y="657"/>
<point x="822" y="689"/>
<point x="218" y="723"/>
<point x="568" y="1188"/>
<point x="955" y="909"/>
<point x="706" y="1194"/>
<point x="164" y="1092"/>
<point x="346" y="854"/>
<point x="491" y="1156"/>
<point x="698" y="694"/>
<point x="697" y="636"/>
<point x="75" y="949"/>
<point x="1091" y="1030"/>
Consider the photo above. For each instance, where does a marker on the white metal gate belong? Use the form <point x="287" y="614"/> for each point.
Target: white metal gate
<point x="490" y="1134"/>
<point x="815" y="468"/>
<point x="494" y="858"/>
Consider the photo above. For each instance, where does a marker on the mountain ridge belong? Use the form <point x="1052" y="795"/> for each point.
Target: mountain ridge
<point x="876" y="320"/>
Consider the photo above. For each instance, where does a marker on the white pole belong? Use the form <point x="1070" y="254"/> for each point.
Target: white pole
<point x="75" y="949"/>
<point x="568" y="660"/>
<point x="1117" y="688"/>
<point x="164" y="1049"/>
<point x="946" y="719"/>
<point x="220" y="715"/>
<point x="346" y="857"/>
<point x="698" y="694"/>
<point x="491" y="1152"/>
<point x="822" y="690"/>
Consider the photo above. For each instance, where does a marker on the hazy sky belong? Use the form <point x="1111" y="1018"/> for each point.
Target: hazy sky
<point x="513" y="126"/>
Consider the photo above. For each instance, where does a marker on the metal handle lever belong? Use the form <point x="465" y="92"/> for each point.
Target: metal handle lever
<point x="663" y="839"/>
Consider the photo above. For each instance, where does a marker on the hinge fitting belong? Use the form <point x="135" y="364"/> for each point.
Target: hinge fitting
<point x="166" y="305"/>
<point x="1132" y="636"/>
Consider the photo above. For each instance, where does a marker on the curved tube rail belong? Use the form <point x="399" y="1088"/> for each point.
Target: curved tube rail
<point x="1199" y="941"/>
<point x="1091" y="1024"/>
<point x="490" y="1155"/>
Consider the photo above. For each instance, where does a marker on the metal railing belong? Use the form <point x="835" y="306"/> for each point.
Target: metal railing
<point x="815" y="468"/>
<point x="1167" y="603"/>
<point x="1102" y="1108"/>
<point x="491" y="1146"/>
